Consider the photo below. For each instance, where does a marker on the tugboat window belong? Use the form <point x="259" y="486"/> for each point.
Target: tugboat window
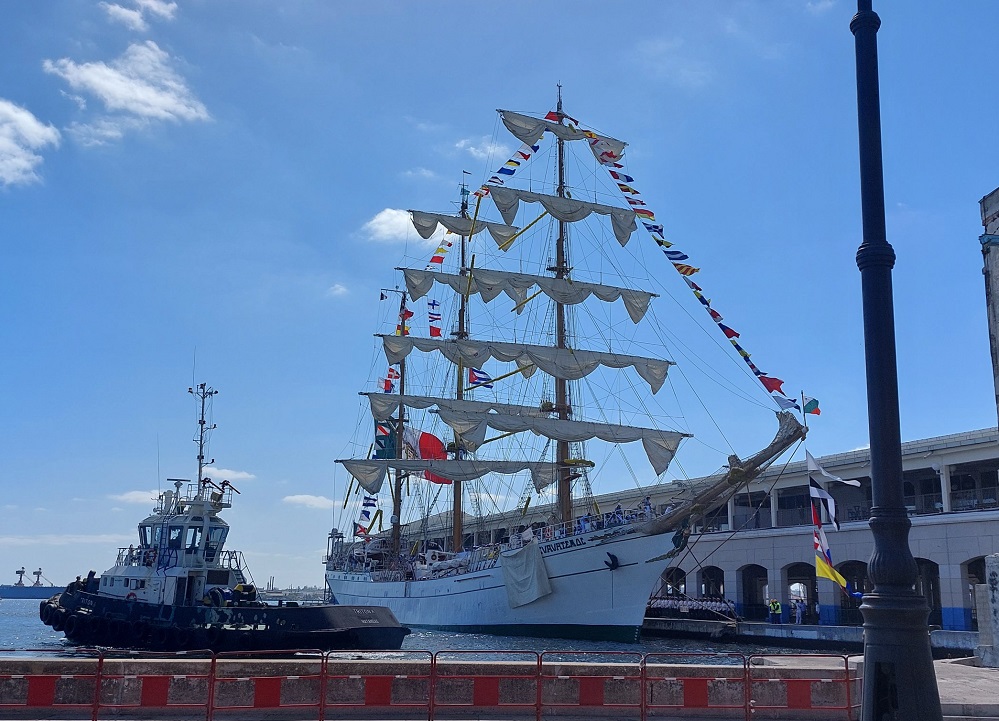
<point x="176" y="533"/>
<point x="143" y="535"/>
<point x="193" y="538"/>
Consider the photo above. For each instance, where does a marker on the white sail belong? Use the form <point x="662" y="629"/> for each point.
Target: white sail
<point x="489" y="283"/>
<point x="660" y="446"/>
<point x="371" y="473"/>
<point x="529" y="130"/>
<point x="384" y="406"/>
<point x="426" y="225"/>
<point x="569" y="210"/>
<point x="567" y="363"/>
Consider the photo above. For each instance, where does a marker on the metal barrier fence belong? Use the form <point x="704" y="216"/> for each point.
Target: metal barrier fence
<point x="423" y="684"/>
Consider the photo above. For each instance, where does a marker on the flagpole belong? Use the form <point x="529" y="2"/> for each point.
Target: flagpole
<point x="804" y="416"/>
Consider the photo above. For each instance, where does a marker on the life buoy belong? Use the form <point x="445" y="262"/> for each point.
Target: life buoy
<point x="131" y="597"/>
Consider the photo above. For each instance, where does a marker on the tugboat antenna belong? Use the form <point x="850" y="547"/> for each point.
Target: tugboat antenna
<point x="203" y="392"/>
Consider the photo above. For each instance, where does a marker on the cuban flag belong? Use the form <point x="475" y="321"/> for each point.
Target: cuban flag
<point x="479" y="378"/>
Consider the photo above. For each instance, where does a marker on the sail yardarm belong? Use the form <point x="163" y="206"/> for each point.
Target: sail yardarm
<point x="566" y="363"/>
<point x="370" y="473"/>
<point x="660" y="446"/>
<point x="385" y="406"/>
<point x="426" y="225"/>
<point x="528" y="130"/>
<point x="490" y="283"/>
<point x="570" y="210"/>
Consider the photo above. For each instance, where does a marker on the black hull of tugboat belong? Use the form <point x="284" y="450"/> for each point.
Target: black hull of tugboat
<point x="88" y="619"/>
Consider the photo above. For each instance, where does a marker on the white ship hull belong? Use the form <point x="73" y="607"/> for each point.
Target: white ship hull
<point x="588" y="600"/>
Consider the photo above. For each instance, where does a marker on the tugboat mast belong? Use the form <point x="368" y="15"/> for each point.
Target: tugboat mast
<point x="204" y="393"/>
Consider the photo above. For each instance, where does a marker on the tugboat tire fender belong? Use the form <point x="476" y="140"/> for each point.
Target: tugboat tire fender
<point x="117" y="628"/>
<point x="244" y="641"/>
<point x="213" y="636"/>
<point x="58" y="619"/>
<point x="139" y="630"/>
<point x="99" y="626"/>
<point x="181" y="638"/>
<point x="71" y="625"/>
<point x="46" y="612"/>
<point x="159" y="636"/>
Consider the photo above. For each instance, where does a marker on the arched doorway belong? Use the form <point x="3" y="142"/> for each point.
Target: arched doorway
<point x="754" y="588"/>
<point x="712" y="582"/>
<point x="974" y="573"/>
<point x="928" y="584"/>
<point x="801" y="584"/>
<point x="672" y="582"/>
<point x="855" y="572"/>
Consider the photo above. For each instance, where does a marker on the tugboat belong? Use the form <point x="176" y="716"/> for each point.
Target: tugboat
<point x="180" y="588"/>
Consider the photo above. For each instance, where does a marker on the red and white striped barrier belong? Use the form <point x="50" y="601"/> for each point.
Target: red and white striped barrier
<point x="516" y="684"/>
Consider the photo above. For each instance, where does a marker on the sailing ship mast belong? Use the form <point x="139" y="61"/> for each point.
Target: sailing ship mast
<point x="457" y="538"/>
<point x="400" y="430"/>
<point x="562" y="407"/>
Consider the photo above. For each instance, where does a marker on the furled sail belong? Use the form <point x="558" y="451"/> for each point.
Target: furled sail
<point x="566" y="363"/>
<point x="569" y="210"/>
<point x="660" y="446"/>
<point x="426" y="225"/>
<point x="385" y="406"/>
<point x="490" y="283"/>
<point x="528" y="130"/>
<point x="371" y="473"/>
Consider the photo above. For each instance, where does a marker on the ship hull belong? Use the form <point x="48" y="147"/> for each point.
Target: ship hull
<point x="36" y="592"/>
<point x="94" y="620"/>
<point x="589" y="599"/>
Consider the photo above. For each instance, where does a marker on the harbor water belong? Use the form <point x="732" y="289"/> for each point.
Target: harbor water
<point x="20" y="628"/>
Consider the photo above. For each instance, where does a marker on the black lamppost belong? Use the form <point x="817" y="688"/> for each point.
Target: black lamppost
<point x="899" y="683"/>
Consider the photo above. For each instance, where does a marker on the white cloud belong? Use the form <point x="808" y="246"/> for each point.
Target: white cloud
<point x="319" y="502"/>
<point x="388" y="226"/>
<point x="337" y="289"/>
<point x="21" y="136"/>
<point x="138" y="87"/>
<point x="820" y="7"/>
<point x="165" y="10"/>
<point x="420" y="173"/>
<point x="135" y="18"/>
<point x="230" y="475"/>
<point x="132" y="19"/>
<point x="665" y="59"/>
<point x="68" y="539"/>
<point x="143" y="497"/>
<point x="484" y="149"/>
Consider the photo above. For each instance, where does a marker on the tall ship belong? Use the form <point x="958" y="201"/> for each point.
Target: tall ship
<point x="20" y="589"/>
<point x="178" y="587"/>
<point x="530" y="384"/>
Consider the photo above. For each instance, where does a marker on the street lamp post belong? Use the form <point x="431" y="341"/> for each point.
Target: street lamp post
<point x="899" y="683"/>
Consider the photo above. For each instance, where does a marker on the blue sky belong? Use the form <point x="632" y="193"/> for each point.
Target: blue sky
<point x="199" y="188"/>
